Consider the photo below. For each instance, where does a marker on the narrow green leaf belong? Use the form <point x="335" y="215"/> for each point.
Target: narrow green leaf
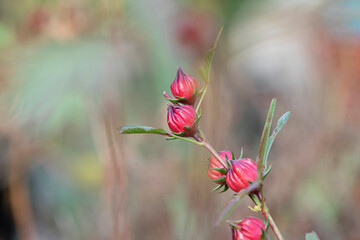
<point x="232" y="155"/>
<point x="205" y="71"/>
<point x="236" y="201"/>
<point x="266" y="172"/>
<point x="141" y="129"/>
<point x="198" y="116"/>
<point x="201" y="72"/>
<point x="265" y="138"/>
<point x="281" y="122"/>
<point x="312" y="236"/>
<point x="220" y="170"/>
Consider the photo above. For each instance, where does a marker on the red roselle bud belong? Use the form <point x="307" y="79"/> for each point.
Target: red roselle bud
<point x="215" y="163"/>
<point x="247" y="229"/>
<point x="185" y="88"/>
<point x="240" y="172"/>
<point x="181" y="120"/>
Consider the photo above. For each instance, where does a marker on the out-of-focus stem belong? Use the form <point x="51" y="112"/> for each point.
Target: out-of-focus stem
<point x="212" y="150"/>
<point x="202" y="141"/>
<point x="172" y="136"/>
<point x="273" y="226"/>
<point x="265" y="212"/>
<point x="201" y="98"/>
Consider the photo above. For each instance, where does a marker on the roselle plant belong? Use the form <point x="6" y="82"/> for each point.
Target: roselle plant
<point x="242" y="175"/>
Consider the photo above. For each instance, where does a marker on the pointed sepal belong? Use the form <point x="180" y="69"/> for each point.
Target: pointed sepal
<point x="218" y="187"/>
<point x="226" y="187"/>
<point x="220" y="179"/>
<point x="242" y="152"/>
<point x="220" y="170"/>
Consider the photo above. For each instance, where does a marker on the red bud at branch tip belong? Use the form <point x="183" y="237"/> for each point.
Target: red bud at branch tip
<point x="185" y="88"/>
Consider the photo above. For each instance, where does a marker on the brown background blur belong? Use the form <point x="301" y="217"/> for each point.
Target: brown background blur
<point x="73" y="71"/>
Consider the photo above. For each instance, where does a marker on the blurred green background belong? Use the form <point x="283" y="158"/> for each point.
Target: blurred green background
<point x="73" y="71"/>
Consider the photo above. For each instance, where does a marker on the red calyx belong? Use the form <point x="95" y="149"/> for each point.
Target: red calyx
<point x="247" y="229"/>
<point x="185" y="88"/>
<point x="181" y="120"/>
<point x="240" y="172"/>
<point x="215" y="163"/>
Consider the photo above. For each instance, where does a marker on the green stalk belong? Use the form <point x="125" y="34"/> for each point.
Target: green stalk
<point x="202" y="97"/>
<point x="273" y="226"/>
<point x="186" y="139"/>
<point x="265" y="212"/>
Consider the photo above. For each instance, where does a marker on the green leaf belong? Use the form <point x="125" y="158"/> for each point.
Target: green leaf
<point x="281" y="122"/>
<point x="232" y="155"/>
<point x="265" y="138"/>
<point x="266" y="172"/>
<point x="141" y="129"/>
<point x="312" y="236"/>
<point x="220" y="170"/>
<point x="205" y="70"/>
<point x="198" y="116"/>
<point x="236" y="201"/>
<point x="201" y="72"/>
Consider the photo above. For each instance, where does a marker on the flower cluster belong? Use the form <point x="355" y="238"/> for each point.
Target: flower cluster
<point x="182" y="117"/>
<point x="243" y="175"/>
<point x="237" y="174"/>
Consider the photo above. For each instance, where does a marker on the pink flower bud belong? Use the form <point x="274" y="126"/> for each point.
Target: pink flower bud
<point x="240" y="172"/>
<point x="247" y="229"/>
<point x="215" y="163"/>
<point x="181" y="119"/>
<point x="185" y="88"/>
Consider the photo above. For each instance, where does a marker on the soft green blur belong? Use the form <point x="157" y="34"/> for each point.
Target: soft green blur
<point x="73" y="71"/>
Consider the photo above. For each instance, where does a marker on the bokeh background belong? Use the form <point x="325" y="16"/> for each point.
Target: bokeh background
<point x="73" y="71"/>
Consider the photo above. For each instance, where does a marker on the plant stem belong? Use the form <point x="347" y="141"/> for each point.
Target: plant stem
<point x="213" y="151"/>
<point x="186" y="139"/>
<point x="201" y="98"/>
<point x="265" y="212"/>
<point x="273" y="226"/>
